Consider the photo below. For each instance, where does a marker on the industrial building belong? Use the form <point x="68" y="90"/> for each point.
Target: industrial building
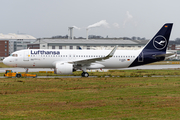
<point x="90" y="44"/>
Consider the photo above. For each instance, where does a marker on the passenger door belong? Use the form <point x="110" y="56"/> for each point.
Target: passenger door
<point x="26" y="55"/>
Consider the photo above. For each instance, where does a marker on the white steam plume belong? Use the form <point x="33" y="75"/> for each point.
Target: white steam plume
<point x="116" y="25"/>
<point x="129" y="19"/>
<point x="98" y="24"/>
<point x="76" y="27"/>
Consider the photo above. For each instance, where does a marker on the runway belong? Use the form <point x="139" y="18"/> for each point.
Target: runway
<point x="52" y="77"/>
<point x="90" y="76"/>
<point x="155" y="67"/>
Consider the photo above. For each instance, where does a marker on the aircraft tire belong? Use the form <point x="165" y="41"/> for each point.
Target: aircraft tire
<point x="18" y="75"/>
<point x="84" y="74"/>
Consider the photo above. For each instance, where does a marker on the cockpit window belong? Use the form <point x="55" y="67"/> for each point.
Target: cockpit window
<point x="15" y="55"/>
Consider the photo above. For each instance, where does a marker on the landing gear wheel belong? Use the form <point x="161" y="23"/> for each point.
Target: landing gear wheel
<point x="84" y="74"/>
<point x="18" y="75"/>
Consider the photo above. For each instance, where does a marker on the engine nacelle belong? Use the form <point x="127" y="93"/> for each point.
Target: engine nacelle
<point x="63" y="68"/>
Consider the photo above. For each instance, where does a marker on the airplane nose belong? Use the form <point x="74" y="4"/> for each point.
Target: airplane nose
<point x="5" y="61"/>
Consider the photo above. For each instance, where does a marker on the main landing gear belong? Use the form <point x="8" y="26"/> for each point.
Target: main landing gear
<point x="84" y="74"/>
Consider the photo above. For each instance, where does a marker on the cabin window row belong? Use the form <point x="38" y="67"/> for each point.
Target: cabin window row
<point x="87" y="56"/>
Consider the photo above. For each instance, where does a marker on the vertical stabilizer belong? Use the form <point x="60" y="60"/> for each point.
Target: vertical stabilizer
<point x="155" y="47"/>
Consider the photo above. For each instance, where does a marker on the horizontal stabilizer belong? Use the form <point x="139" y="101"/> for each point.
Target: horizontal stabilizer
<point x="164" y="55"/>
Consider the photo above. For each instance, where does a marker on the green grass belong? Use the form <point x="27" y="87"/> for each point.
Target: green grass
<point x="90" y="98"/>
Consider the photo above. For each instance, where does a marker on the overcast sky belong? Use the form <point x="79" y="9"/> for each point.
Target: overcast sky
<point x="117" y="18"/>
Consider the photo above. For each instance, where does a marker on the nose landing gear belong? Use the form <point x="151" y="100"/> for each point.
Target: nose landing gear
<point x="26" y="70"/>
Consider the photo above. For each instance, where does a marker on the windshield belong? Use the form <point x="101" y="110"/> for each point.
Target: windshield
<point x="14" y="55"/>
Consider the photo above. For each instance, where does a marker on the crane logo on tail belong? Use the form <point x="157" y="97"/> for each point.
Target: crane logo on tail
<point x="160" y="42"/>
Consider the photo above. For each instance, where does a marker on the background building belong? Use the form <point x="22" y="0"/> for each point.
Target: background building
<point x="16" y="41"/>
<point x="4" y="45"/>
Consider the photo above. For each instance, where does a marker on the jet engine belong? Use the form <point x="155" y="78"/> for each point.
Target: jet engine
<point x="63" y="68"/>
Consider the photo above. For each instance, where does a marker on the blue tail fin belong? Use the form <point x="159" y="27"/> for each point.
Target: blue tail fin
<point x="160" y="41"/>
<point x="155" y="47"/>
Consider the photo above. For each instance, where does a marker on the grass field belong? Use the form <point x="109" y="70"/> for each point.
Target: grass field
<point x="127" y="98"/>
<point x="125" y="95"/>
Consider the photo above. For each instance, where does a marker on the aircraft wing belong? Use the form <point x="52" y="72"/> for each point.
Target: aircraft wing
<point x="92" y="60"/>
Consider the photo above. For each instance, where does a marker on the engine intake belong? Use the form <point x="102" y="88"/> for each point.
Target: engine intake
<point x="63" y="68"/>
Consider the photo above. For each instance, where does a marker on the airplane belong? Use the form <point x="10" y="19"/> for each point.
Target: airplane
<point x="68" y="61"/>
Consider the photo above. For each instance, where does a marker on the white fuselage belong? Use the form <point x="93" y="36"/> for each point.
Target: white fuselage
<point x="31" y="58"/>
